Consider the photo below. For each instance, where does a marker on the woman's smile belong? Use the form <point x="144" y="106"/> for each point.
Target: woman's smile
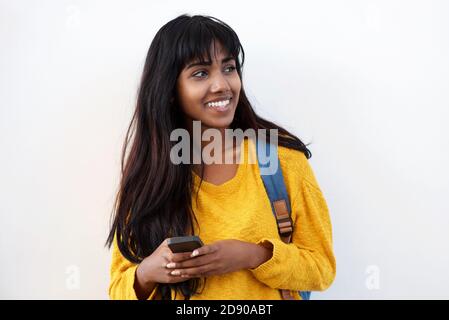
<point x="219" y="106"/>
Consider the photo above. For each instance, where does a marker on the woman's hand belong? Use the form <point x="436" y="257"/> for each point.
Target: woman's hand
<point x="221" y="257"/>
<point x="153" y="269"/>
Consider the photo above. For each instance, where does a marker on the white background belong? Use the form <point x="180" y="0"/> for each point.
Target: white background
<point x="365" y="81"/>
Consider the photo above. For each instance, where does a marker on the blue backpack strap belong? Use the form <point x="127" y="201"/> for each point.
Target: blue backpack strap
<point x="305" y="295"/>
<point x="277" y="192"/>
<point x="280" y="204"/>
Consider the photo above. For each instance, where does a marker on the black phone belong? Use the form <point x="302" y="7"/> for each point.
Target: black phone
<point x="184" y="244"/>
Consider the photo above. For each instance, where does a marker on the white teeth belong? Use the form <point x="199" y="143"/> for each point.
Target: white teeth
<point x="218" y="104"/>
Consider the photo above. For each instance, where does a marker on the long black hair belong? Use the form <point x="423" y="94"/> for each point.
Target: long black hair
<point x="154" y="197"/>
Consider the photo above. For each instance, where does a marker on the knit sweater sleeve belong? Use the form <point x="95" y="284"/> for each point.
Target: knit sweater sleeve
<point x="123" y="272"/>
<point x="308" y="262"/>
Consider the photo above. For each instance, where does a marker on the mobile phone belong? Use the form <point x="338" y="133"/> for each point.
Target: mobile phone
<point x="184" y="244"/>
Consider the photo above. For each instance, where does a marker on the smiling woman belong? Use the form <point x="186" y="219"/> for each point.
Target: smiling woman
<point x="208" y="90"/>
<point x="193" y="72"/>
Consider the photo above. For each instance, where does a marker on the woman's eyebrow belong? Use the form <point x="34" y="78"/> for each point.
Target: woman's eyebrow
<point x="208" y="63"/>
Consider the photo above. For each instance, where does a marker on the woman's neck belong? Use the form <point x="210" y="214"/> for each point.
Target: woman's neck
<point x="227" y="147"/>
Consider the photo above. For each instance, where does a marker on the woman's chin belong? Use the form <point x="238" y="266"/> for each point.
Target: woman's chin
<point x="217" y="123"/>
<point x="218" y="118"/>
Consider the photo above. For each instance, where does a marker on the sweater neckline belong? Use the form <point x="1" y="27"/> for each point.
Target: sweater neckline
<point x="230" y="185"/>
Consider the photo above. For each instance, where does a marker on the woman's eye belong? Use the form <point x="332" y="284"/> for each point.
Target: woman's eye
<point x="232" y="68"/>
<point x="197" y="73"/>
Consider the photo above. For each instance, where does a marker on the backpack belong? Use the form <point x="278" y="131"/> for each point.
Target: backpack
<point x="280" y="204"/>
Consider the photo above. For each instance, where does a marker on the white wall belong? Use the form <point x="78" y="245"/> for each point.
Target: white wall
<point x="365" y="81"/>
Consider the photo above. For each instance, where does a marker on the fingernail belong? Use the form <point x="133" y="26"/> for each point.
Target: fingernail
<point x="171" y="265"/>
<point x="194" y="253"/>
<point x="175" y="273"/>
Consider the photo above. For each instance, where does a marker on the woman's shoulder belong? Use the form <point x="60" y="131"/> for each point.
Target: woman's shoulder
<point x="292" y="159"/>
<point x="295" y="166"/>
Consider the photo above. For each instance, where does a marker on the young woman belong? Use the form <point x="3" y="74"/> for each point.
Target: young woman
<point x="193" y="72"/>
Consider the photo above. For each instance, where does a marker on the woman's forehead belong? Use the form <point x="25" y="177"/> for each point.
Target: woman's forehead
<point x="216" y="52"/>
<point x="214" y="58"/>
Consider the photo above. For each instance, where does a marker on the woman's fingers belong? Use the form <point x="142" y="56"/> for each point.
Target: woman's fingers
<point x="202" y="256"/>
<point x="192" y="272"/>
<point x="170" y="278"/>
<point x="204" y="250"/>
<point x="176" y="257"/>
<point x="191" y="262"/>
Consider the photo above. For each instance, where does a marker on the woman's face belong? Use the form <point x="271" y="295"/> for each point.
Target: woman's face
<point x="218" y="82"/>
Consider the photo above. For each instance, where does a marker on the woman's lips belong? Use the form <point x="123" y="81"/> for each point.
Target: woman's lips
<point x="220" y="106"/>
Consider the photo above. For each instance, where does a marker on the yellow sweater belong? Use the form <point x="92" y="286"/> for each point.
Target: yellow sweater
<point x="240" y="209"/>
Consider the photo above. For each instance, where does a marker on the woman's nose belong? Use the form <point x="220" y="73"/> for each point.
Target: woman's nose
<point x="220" y="83"/>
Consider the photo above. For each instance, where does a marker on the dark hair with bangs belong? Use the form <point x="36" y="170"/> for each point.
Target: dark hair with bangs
<point x="154" y="197"/>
